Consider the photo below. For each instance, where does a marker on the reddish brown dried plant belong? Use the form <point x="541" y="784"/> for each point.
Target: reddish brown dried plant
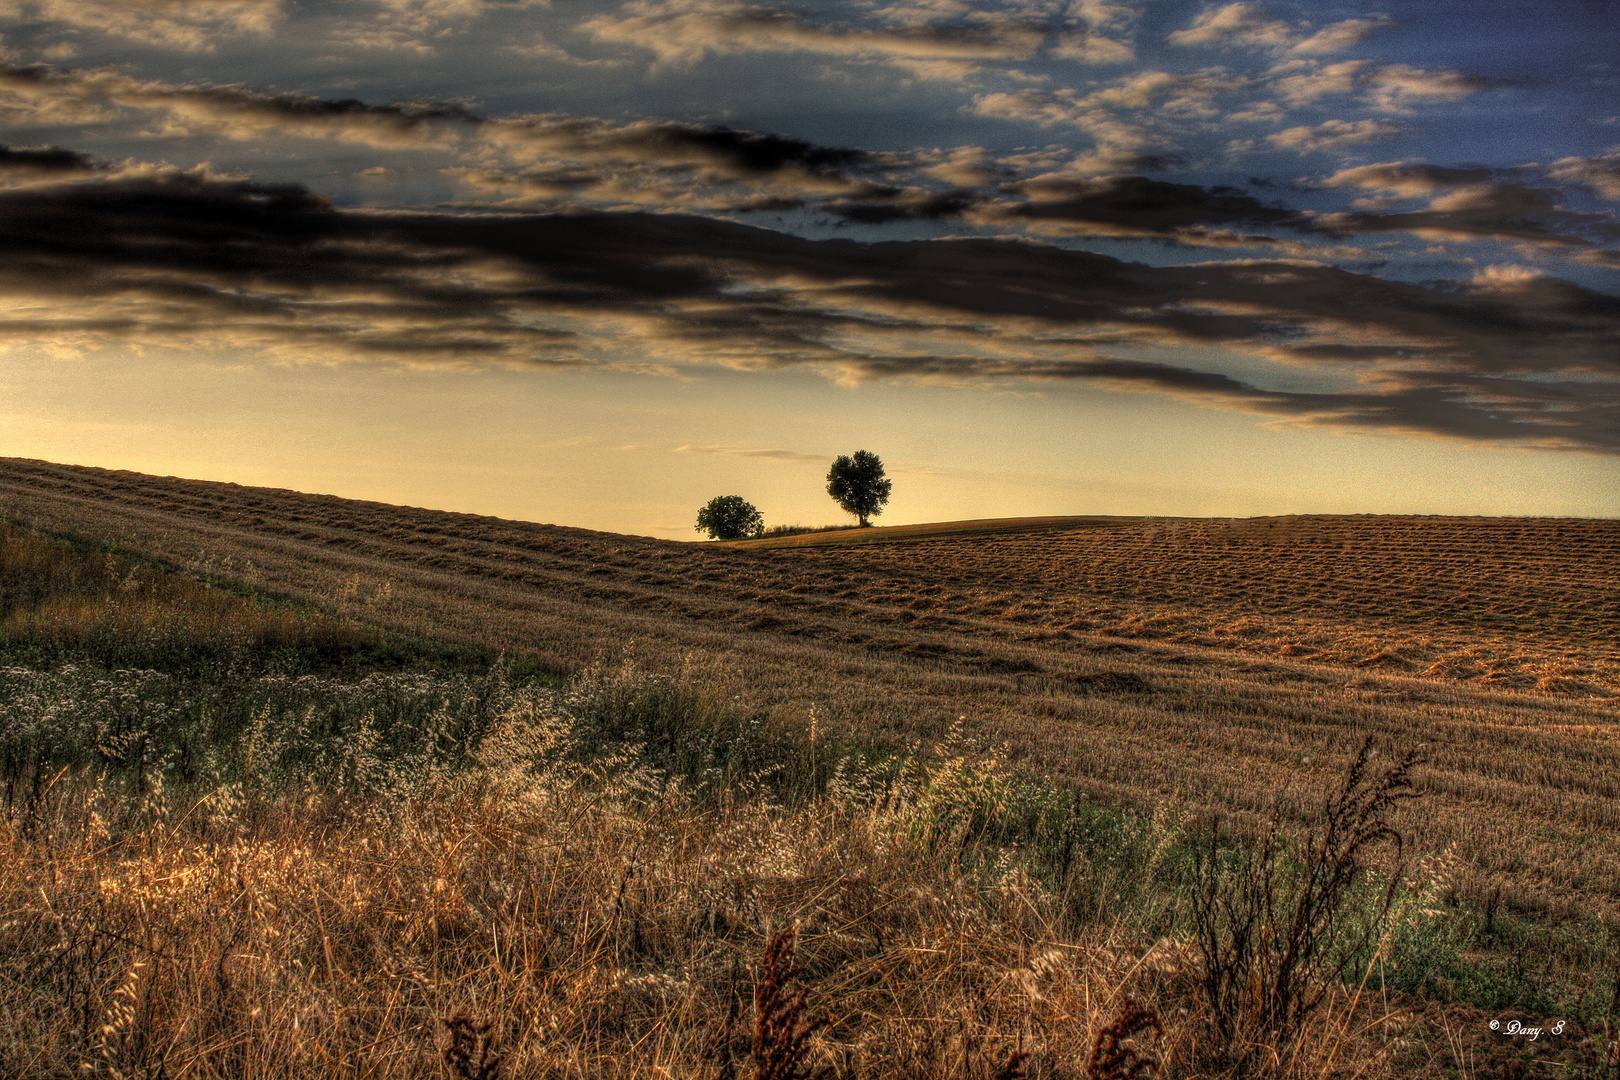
<point x="1013" y="1067"/>
<point x="781" y="1036"/>
<point x="471" y="1053"/>
<point x="1119" y="1053"/>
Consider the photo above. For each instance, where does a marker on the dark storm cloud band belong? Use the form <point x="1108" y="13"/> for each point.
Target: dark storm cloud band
<point x="572" y="163"/>
<point x="181" y="259"/>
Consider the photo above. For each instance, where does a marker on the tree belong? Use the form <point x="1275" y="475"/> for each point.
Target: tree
<point x="858" y="485"/>
<point x="730" y="517"/>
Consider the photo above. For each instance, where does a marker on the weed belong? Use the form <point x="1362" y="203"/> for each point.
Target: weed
<point x="1126" y="1049"/>
<point x="781" y="1035"/>
<point x="471" y="1054"/>
<point x="1270" y="921"/>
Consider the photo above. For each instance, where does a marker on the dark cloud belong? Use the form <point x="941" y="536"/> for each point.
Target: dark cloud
<point x="54" y="161"/>
<point x="570" y="163"/>
<point x="1136" y="204"/>
<point x="304" y="107"/>
<point x="878" y="204"/>
<point x="1123" y="206"/>
<point x="191" y="261"/>
<point x="1471" y="202"/>
<point x="1494" y="209"/>
<point x="663" y="163"/>
<point x="748" y="151"/>
<point x="677" y="148"/>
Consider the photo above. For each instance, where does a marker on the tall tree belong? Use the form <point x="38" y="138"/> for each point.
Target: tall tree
<point x="858" y="485"/>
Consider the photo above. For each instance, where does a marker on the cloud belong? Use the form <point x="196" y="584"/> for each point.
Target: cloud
<point x="412" y="25"/>
<point x="682" y="32"/>
<point x="234" y="112"/>
<point x="1091" y="49"/>
<point x="1463" y="203"/>
<point x="1335" y="135"/>
<point x="37" y="96"/>
<point x="559" y="162"/>
<point x="1245" y="25"/>
<point x="422" y="16"/>
<point x="1062" y="202"/>
<point x="1302" y="82"/>
<point x="1601" y="174"/>
<point x="1341" y="36"/>
<point x="730" y="151"/>
<point x="551" y="157"/>
<point x="1138" y="119"/>
<point x="1235" y="24"/>
<point x="1410" y="179"/>
<point x="1131" y="206"/>
<point x="239" y="113"/>
<point x="1401" y="88"/>
<point x="188" y="25"/>
<point x="185" y="260"/>
<point x="541" y="49"/>
<point x="773" y="455"/>
<point x="579" y="162"/>
<point x="25" y="163"/>
<point x="1185" y="94"/>
<point x="1397" y="89"/>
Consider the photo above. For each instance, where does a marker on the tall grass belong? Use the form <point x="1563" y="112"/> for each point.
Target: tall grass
<point x="592" y="905"/>
<point x="1270" y="920"/>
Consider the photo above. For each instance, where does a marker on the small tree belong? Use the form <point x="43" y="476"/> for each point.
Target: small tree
<point x="730" y="517"/>
<point x="858" y="485"/>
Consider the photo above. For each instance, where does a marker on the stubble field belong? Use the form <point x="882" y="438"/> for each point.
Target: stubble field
<point x="1203" y="665"/>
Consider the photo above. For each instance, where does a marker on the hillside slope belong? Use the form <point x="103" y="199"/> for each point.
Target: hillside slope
<point x="1221" y="663"/>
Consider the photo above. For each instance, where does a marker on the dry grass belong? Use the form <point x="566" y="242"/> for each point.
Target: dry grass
<point x="850" y="535"/>
<point x="528" y="919"/>
<point x="1227" y="663"/>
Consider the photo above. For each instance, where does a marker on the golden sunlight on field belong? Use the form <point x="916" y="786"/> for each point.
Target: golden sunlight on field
<point x="1215" y="664"/>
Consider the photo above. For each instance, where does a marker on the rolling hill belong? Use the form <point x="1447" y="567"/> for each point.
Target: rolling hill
<point x="1223" y="664"/>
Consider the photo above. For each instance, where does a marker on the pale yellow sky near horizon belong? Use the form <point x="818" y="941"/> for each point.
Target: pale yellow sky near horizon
<point x="640" y="453"/>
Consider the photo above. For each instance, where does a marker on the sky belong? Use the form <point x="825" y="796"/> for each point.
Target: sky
<point x="594" y="263"/>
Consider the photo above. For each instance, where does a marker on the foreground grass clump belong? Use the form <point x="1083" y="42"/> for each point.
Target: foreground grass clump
<point x="603" y="926"/>
<point x="140" y="731"/>
<point x="577" y="902"/>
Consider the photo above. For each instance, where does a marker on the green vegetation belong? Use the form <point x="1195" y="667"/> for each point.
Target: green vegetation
<point x="730" y="517"/>
<point x="857" y="483"/>
<point x="800" y="530"/>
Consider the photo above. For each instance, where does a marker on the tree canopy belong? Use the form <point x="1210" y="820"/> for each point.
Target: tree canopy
<point x="856" y="482"/>
<point x="730" y="517"/>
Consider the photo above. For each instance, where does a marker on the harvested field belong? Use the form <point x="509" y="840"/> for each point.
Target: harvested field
<point x="1223" y="664"/>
